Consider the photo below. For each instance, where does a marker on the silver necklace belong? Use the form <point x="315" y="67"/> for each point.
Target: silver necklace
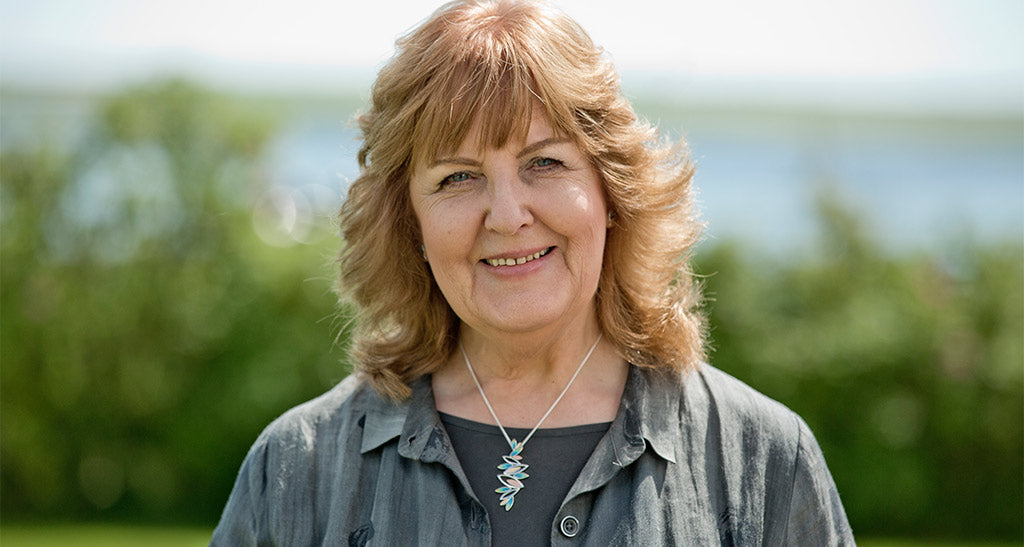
<point x="513" y="469"/>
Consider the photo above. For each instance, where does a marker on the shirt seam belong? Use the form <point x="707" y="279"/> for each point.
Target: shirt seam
<point x="792" y="484"/>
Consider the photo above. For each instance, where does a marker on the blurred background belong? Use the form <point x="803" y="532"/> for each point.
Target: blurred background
<point x="170" y="170"/>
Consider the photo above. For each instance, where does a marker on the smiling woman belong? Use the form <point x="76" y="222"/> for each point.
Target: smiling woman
<point x="517" y="245"/>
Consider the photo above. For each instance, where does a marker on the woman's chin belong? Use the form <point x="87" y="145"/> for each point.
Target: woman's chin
<point x="518" y="320"/>
<point x="520" y="314"/>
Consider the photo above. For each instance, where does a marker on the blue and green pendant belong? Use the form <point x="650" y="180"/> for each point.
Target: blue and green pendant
<point x="512" y="475"/>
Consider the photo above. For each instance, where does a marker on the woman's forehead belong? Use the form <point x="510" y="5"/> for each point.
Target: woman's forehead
<point x="488" y="130"/>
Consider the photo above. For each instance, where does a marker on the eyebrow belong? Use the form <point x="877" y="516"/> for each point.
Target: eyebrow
<point x="541" y="144"/>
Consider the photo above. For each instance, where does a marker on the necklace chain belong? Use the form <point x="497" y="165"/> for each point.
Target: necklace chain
<point x="513" y="468"/>
<point x="512" y="443"/>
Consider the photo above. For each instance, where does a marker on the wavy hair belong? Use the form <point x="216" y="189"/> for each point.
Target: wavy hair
<point x="492" y="60"/>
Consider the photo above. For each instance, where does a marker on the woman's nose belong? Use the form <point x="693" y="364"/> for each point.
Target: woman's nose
<point x="509" y="207"/>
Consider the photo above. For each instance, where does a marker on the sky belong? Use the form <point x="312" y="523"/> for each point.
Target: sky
<point x="947" y="52"/>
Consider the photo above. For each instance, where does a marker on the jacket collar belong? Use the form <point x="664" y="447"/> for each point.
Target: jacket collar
<point x="654" y="398"/>
<point x="414" y="422"/>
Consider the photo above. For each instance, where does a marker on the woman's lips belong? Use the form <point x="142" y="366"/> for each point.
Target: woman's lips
<point x="518" y="260"/>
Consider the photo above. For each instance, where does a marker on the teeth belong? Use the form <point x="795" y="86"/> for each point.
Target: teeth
<point x="516" y="261"/>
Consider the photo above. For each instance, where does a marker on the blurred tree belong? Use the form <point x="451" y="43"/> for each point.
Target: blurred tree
<point x="147" y="332"/>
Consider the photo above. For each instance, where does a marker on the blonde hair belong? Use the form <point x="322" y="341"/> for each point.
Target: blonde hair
<point x="493" y="60"/>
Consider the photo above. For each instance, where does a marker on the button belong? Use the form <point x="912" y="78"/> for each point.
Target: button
<point x="570" y="526"/>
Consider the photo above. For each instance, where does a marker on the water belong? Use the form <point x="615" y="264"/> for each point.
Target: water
<point x="913" y="186"/>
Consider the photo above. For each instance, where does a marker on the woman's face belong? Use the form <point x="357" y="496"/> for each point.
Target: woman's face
<point x="514" y="236"/>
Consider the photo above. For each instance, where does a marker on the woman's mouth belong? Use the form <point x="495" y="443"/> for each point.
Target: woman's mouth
<point x="517" y="260"/>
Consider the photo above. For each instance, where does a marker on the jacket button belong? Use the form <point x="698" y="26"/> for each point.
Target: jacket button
<point x="570" y="526"/>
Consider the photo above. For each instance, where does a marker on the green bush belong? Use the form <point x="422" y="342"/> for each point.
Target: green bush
<point x="147" y="333"/>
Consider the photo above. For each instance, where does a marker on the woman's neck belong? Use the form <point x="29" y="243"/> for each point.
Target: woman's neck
<point x="525" y="356"/>
<point x="522" y="377"/>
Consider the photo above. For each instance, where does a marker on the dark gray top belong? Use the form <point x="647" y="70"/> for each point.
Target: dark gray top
<point x="555" y="457"/>
<point x="695" y="460"/>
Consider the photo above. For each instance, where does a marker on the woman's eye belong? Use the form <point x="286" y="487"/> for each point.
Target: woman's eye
<point x="546" y="162"/>
<point x="455" y="178"/>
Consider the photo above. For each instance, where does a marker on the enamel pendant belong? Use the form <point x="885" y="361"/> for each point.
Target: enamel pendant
<point x="512" y="475"/>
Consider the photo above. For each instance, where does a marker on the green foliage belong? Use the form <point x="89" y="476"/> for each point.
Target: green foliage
<point x="149" y="333"/>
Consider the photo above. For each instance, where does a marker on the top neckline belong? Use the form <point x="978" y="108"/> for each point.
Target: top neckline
<point x="481" y="427"/>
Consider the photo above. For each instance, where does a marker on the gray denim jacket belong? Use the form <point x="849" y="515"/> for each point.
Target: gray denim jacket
<point x="700" y="459"/>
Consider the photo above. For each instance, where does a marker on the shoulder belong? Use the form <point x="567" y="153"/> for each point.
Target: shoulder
<point x="326" y="416"/>
<point x="763" y="446"/>
<point x="720" y="417"/>
<point x="740" y="410"/>
<point x="279" y="475"/>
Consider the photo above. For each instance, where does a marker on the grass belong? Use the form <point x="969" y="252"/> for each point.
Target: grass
<point x="883" y="542"/>
<point x="101" y="535"/>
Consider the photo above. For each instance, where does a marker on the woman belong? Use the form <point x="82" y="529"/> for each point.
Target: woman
<point x="529" y="345"/>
